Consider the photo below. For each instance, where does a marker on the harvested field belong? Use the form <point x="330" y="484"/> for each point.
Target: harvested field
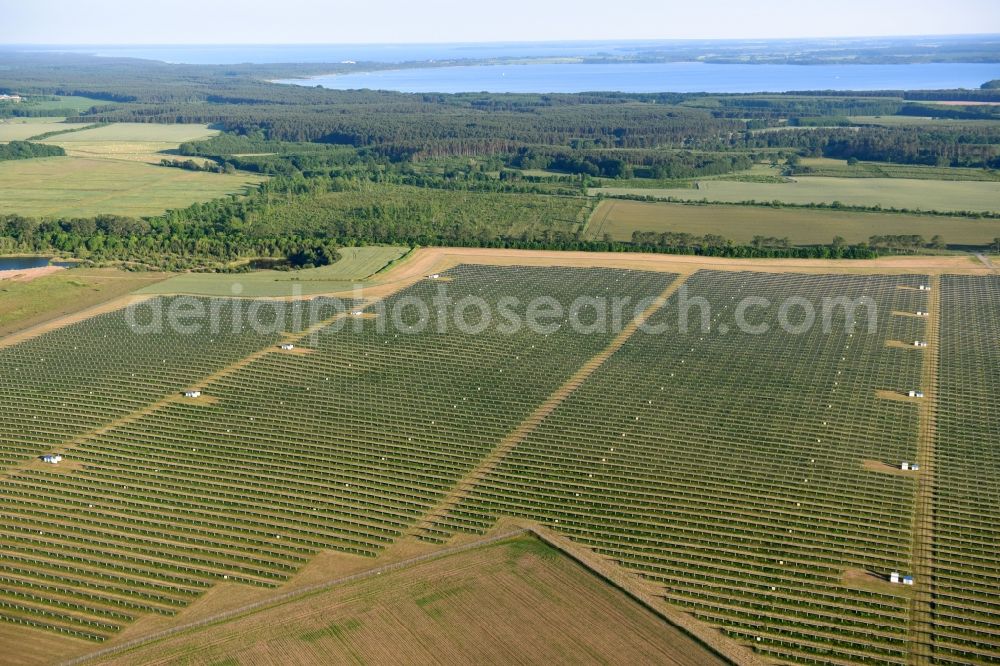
<point x="619" y="218"/>
<point x="496" y="604"/>
<point x="913" y="194"/>
<point x="20" y="129"/>
<point x="139" y="142"/>
<point x="174" y="134"/>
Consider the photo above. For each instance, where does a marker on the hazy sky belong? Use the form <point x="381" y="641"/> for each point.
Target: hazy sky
<point x="360" y="21"/>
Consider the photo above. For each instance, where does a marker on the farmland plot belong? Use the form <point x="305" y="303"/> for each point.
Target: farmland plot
<point x="476" y="607"/>
<point x="341" y="447"/>
<point x="734" y="470"/>
<point x="966" y="564"/>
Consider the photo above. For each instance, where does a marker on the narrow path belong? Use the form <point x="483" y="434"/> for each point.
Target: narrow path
<point x="607" y="206"/>
<point x="486" y="466"/>
<point x="921" y="606"/>
<point x="986" y="261"/>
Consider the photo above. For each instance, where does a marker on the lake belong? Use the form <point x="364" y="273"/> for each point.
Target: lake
<point x="21" y="263"/>
<point x="663" y="77"/>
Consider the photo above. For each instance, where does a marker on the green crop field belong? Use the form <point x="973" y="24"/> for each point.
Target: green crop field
<point x="913" y="194"/>
<point x="62" y="105"/>
<point x="356" y="264"/>
<point x="747" y="478"/>
<point x="619" y="218"/>
<point x="111" y="169"/>
<point x="77" y="186"/>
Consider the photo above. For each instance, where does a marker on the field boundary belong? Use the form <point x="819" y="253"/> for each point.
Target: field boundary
<point x="633" y="587"/>
<point x="467" y="483"/>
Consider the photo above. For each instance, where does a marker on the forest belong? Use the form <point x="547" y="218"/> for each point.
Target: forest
<point x="23" y="150"/>
<point x="356" y="167"/>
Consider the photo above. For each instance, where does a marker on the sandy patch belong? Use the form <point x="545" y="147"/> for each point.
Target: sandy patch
<point x="29" y="274"/>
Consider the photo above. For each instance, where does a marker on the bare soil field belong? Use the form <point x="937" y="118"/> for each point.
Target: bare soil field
<point x="495" y="604"/>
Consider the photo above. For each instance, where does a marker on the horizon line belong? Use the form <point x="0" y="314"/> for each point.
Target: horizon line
<point x="509" y="41"/>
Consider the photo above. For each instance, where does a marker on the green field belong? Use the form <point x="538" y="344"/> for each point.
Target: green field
<point x="63" y="105"/>
<point x="356" y="264"/>
<point x="110" y="169"/>
<point x="913" y="194"/>
<point x="23" y="304"/>
<point x="144" y="142"/>
<point x="619" y="218"/>
<point x="79" y="187"/>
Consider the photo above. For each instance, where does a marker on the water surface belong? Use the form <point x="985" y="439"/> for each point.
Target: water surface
<point x="664" y="77"/>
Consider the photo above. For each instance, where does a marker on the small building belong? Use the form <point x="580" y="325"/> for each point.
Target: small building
<point x="11" y="98"/>
<point x="192" y="394"/>
<point x="434" y="276"/>
<point x="356" y="313"/>
<point x="919" y="343"/>
<point x="894" y="577"/>
<point x="915" y="394"/>
<point x="925" y="287"/>
<point x="905" y="466"/>
<point x="914" y="467"/>
<point x="921" y="313"/>
<point x="52" y="458"/>
<point x="908" y="580"/>
<point x="288" y="346"/>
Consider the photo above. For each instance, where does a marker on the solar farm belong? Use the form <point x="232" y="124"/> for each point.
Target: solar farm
<point x="750" y="482"/>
